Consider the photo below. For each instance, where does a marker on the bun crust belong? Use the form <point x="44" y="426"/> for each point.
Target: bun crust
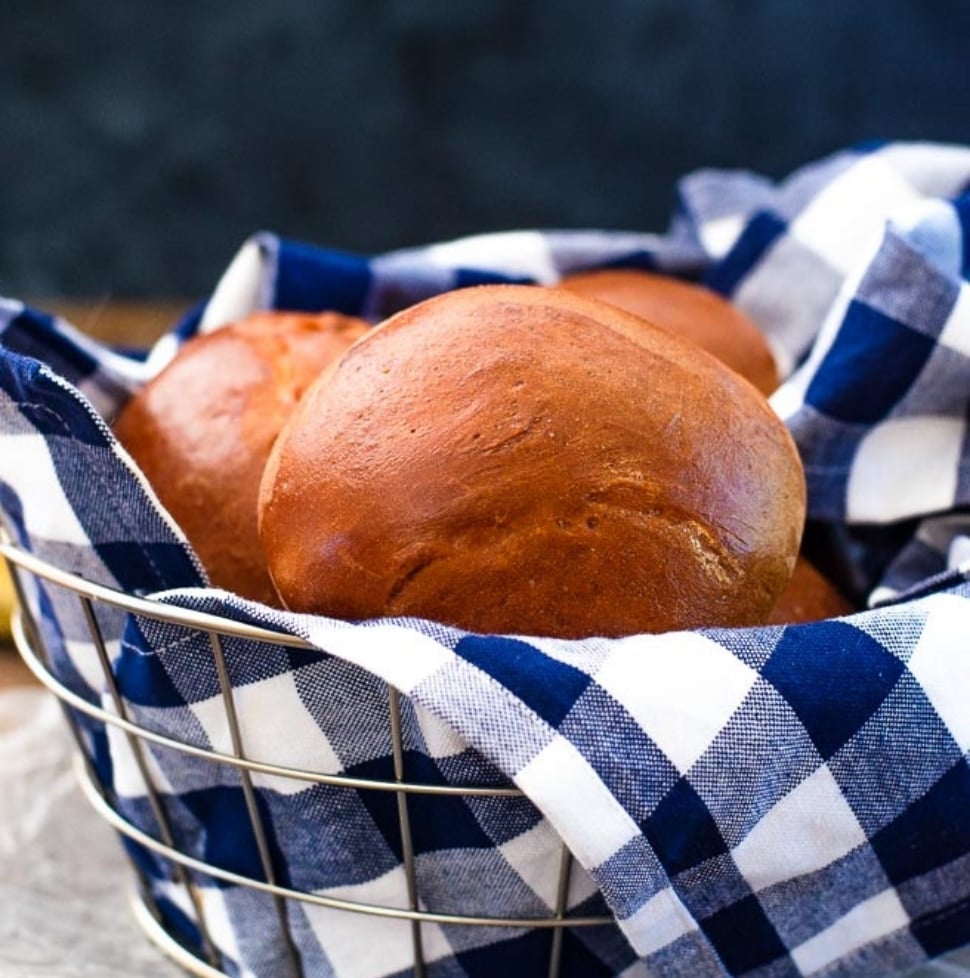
<point x="521" y="459"/>
<point x="202" y="429"/>
<point x="691" y="311"/>
<point x="809" y="596"/>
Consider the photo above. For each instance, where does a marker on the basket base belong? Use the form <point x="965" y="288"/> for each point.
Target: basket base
<point x="168" y="945"/>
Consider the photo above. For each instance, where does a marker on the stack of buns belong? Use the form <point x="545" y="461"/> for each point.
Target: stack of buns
<point x="501" y="458"/>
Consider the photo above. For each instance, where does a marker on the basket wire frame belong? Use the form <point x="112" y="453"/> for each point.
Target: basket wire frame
<point x="186" y="868"/>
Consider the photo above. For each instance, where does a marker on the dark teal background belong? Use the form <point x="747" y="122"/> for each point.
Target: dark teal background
<point x="141" y="143"/>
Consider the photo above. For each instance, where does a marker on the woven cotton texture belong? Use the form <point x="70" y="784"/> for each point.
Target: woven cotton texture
<point x="764" y="802"/>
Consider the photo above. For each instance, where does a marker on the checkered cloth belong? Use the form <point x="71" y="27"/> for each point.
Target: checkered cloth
<point x="760" y="802"/>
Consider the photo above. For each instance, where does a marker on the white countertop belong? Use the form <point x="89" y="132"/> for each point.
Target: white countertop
<point x="65" y="886"/>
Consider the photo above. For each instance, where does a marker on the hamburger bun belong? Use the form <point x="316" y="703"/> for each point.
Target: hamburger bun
<point x="691" y="311"/>
<point x="809" y="596"/>
<point x="202" y="429"/>
<point x="511" y="458"/>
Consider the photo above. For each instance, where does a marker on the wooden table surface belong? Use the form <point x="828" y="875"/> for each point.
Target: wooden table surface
<point x="126" y="321"/>
<point x="132" y="323"/>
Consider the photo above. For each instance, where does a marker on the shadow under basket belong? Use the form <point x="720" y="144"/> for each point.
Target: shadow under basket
<point x="153" y="845"/>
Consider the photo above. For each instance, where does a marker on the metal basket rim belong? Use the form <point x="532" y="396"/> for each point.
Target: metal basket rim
<point x="201" y="621"/>
<point x="72" y="699"/>
<point x="145" y="606"/>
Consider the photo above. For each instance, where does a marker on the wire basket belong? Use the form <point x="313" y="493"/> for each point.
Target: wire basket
<point x="186" y="869"/>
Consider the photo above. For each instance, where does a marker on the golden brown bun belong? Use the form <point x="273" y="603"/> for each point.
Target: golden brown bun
<point x="691" y="311"/>
<point x="809" y="596"/>
<point x="201" y="430"/>
<point x="521" y="459"/>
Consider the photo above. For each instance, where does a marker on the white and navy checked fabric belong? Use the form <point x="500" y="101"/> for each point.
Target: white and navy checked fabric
<point x="759" y="802"/>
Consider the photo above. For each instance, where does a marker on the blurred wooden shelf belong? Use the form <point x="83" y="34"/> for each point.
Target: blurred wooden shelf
<point x="13" y="672"/>
<point x="132" y="322"/>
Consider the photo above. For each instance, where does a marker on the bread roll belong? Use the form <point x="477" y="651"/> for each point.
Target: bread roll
<point x="809" y="596"/>
<point x="691" y="311"/>
<point x="201" y="430"/>
<point x="521" y="459"/>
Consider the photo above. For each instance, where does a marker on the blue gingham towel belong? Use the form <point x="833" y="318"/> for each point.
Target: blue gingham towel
<point x="764" y="802"/>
